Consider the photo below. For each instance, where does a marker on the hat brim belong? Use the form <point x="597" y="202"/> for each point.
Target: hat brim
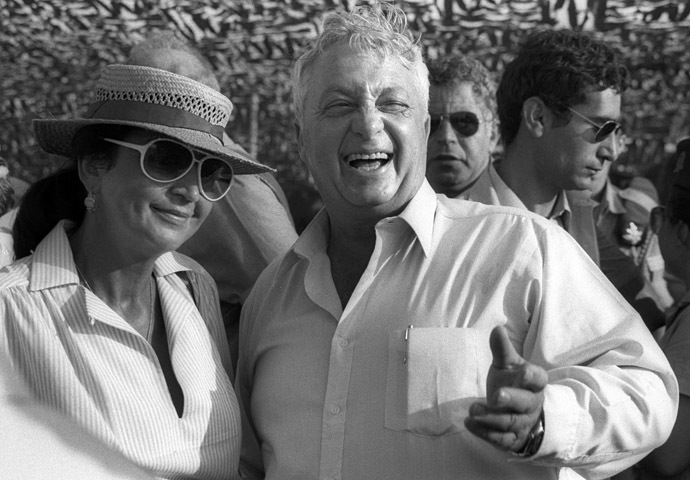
<point x="55" y="136"/>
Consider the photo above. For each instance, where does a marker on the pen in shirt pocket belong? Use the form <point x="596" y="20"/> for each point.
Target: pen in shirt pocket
<point x="406" y="339"/>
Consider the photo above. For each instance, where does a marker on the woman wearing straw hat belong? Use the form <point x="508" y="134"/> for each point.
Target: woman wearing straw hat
<point x="101" y="318"/>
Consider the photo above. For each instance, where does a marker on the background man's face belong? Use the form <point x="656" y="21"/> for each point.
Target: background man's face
<point x="455" y="160"/>
<point x="570" y="157"/>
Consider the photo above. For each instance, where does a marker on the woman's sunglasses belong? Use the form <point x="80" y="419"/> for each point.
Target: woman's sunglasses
<point x="165" y="160"/>
<point x="465" y="123"/>
<point x="604" y="130"/>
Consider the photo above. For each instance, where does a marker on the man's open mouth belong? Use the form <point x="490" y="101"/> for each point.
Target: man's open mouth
<point x="368" y="161"/>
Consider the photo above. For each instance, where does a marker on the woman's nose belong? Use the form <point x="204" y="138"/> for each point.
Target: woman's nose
<point x="188" y="186"/>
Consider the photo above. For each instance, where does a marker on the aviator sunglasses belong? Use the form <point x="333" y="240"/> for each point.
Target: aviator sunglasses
<point x="604" y="130"/>
<point x="465" y="123"/>
<point x="165" y="160"/>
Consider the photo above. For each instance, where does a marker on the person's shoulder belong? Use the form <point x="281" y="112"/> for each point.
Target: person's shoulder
<point x="499" y="225"/>
<point x="15" y="275"/>
<point x="459" y="209"/>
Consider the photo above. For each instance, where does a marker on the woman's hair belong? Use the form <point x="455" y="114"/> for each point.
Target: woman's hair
<point x="379" y="29"/>
<point x="61" y="195"/>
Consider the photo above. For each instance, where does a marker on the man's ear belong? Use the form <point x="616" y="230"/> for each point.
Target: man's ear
<point x="300" y="141"/>
<point x="536" y="116"/>
<point x="427" y="126"/>
<point x="495" y="134"/>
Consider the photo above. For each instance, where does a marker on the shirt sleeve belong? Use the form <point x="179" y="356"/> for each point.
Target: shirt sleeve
<point x="251" y="460"/>
<point x="611" y="396"/>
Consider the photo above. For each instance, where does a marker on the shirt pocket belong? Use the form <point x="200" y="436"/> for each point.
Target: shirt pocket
<point x="434" y="375"/>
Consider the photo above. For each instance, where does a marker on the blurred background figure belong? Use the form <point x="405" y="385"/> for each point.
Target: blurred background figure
<point x="7" y="201"/>
<point x="672" y="225"/>
<point x="7" y="198"/>
<point x="622" y="215"/>
<point x="247" y="228"/>
<point x="463" y="132"/>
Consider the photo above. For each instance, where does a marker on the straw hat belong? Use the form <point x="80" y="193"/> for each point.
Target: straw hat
<point x="155" y="100"/>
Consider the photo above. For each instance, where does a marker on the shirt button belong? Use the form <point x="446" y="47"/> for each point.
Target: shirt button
<point x="335" y="409"/>
<point x="343" y="342"/>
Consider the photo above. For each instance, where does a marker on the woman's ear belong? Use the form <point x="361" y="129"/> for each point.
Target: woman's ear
<point x="90" y="173"/>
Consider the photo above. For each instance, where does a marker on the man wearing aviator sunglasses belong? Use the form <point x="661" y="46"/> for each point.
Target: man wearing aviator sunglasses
<point x="556" y="138"/>
<point x="462" y="132"/>
<point x="559" y="102"/>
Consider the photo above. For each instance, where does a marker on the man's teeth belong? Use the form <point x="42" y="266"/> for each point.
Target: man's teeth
<point x="368" y="156"/>
<point x="367" y="161"/>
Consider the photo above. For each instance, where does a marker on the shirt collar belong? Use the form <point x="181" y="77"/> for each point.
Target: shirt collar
<point x="561" y="211"/>
<point x="612" y="200"/>
<point x="315" y="237"/>
<point x="53" y="262"/>
<point x="418" y="214"/>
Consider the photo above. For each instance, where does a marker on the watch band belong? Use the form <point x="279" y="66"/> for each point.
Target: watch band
<point x="534" y="439"/>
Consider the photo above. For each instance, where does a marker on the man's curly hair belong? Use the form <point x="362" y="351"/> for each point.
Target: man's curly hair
<point x="453" y="70"/>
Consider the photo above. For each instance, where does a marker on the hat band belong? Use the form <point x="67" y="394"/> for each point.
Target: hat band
<point x="131" y="111"/>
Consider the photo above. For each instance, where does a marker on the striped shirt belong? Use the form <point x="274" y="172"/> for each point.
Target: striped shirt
<point x="80" y="357"/>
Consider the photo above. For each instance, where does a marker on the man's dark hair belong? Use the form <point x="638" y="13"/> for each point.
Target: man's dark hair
<point x="561" y="67"/>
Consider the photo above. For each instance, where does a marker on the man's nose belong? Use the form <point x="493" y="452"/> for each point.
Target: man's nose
<point x="368" y="122"/>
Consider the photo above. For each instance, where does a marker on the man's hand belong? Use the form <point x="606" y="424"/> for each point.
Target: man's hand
<point x="514" y="394"/>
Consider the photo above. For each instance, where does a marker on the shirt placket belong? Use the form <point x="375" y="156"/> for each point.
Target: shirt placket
<point x="341" y="358"/>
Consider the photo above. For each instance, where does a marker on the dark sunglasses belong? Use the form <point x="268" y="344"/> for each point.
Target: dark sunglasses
<point x="465" y="123"/>
<point x="165" y="160"/>
<point x="604" y="130"/>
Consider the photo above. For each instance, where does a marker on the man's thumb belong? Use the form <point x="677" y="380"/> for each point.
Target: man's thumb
<point x="504" y="354"/>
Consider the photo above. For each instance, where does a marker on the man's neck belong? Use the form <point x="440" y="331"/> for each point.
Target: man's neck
<point x="521" y="177"/>
<point x="349" y="250"/>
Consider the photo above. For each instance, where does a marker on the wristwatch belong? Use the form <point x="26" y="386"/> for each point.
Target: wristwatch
<point x="534" y="439"/>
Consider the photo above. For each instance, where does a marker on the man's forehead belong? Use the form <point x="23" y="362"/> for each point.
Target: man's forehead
<point x="602" y="104"/>
<point x="343" y="70"/>
<point x="454" y="96"/>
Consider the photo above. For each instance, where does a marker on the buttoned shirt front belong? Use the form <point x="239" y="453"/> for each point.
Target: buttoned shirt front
<point x="80" y="357"/>
<point x="380" y="389"/>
